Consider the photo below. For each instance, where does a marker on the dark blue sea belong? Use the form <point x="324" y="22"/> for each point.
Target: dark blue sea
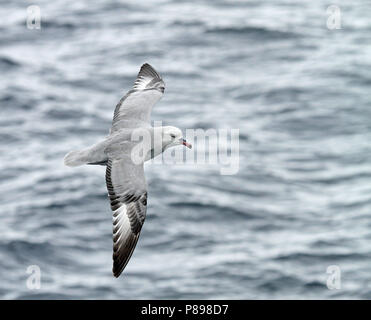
<point x="298" y="92"/>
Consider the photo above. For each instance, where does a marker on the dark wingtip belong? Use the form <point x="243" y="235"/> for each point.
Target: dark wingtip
<point x="146" y="65"/>
<point x="117" y="272"/>
<point x="147" y="69"/>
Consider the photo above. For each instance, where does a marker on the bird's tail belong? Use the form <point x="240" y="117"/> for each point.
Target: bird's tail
<point x="75" y="158"/>
<point x="91" y="155"/>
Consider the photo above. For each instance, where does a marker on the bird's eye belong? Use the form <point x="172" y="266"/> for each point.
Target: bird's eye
<point x="172" y="135"/>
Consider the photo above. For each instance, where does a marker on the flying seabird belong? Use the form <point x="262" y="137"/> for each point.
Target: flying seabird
<point x="123" y="154"/>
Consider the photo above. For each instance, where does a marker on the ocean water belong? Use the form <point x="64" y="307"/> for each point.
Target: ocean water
<point x="298" y="92"/>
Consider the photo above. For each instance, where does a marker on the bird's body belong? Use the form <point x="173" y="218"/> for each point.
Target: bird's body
<point x="131" y="142"/>
<point x="119" y="143"/>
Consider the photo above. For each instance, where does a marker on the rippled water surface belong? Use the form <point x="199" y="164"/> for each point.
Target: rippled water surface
<point x="298" y="92"/>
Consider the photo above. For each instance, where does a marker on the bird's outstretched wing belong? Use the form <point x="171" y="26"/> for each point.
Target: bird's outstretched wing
<point x="136" y="106"/>
<point x="128" y="196"/>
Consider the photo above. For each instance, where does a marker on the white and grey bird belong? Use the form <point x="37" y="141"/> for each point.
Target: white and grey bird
<point x="126" y="185"/>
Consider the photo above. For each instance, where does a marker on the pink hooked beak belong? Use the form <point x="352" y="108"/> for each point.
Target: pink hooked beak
<point x="185" y="143"/>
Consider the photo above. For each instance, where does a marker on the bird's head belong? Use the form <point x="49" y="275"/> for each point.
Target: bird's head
<point x="172" y="136"/>
<point x="159" y="85"/>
